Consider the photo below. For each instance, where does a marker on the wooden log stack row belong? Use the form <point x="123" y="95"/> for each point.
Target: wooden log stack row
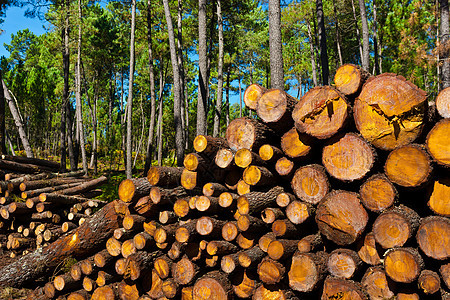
<point x="343" y="194"/>
<point x="38" y="204"/>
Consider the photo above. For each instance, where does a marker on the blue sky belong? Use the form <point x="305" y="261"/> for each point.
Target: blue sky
<point x="15" y="20"/>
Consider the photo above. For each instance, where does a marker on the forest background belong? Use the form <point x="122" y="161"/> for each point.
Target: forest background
<point x="146" y="77"/>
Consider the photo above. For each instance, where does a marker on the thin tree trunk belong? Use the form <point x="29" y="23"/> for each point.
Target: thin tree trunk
<point x="160" y="115"/>
<point x="151" y="130"/>
<point x="338" y="37"/>
<point x="202" y="62"/>
<point x="376" y="41"/>
<point x="358" y="35"/>
<point x="17" y="121"/>
<point x="11" y="147"/>
<point x="445" y="31"/>
<point x="313" y="56"/>
<point x="72" y="160"/>
<point x="142" y="133"/>
<point x="181" y="69"/>
<point x="2" y="119"/>
<point x="65" y="98"/>
<point x="240" y="95"/>
<point x="129" y="166"/>
<point x="227" y="103"/>
<point x="275" y="45"/>
<point x="438" y="69"/>
<point x="218" y="110"/>
<point x="322" y="42"/>
<point x="365" y="35"/>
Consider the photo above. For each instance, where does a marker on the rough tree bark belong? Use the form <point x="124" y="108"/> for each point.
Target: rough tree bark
<point x="365" y="59"/>
<point x="445" y="31"/>
<point x="202" y="62"/>
<point x="275" y="45"/>
<point x="129" y="164"/>
<point x="2" y="120"/>
<point x="179" y="143"/>
<point x="322" y="43"/>
<point x="218" y="110"/>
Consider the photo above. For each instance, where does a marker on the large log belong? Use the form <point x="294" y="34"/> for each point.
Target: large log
<point x="321" y="112"/>
<point x="390" y="111"/>
<point x="275" y="109"/>
<point x="252" y="95"/>
<point x="378" y="193"/>
<point x="310" y="183"/>
<point x="130" y="190"/>
<point x="403" y="264"/>
<point x="248" y="133"/>
<point x="350" y="78"/>
<point x="443" y="103"/>
<point x="433" y="237"/>
<point x="307" y="271"/>
<point x="79" y="243"/>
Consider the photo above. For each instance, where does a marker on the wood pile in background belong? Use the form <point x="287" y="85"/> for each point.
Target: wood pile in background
<point x="38" y="204"/>
<point x="343" y="194"/>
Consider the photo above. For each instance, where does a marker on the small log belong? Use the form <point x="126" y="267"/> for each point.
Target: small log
<point x="429" y="282"/>
<point x="269" y="292"/>
<point x="341" y="217"/>
<point x="78" y="295"/>
<point x="350" y="78"/>
<point x="184" y="271"/>
<point x="133" y="222"/>
<point x="50" y="189"/>
<point x="113" y="246"/>
<point x="265" y="240"/>
<point x="270" y="153"/>
<point x="310" y="183"/>
<point x="143" y="240"/>
<point x="153" y="285"/>
<point x="275" y="109"/>
<point x="321" y="112"/>
<point x="307" y="271"/>
<point x="378" y="193"/>
<point x="130" y="190"/>
<point x="337" y="288"/>
<point x="244" y="285"/>
<point x="190" y="180"/>
<point x="104" y="278"/>
<point x="433" y="236"/>
<point x="376" y="284"/>
<point x="38" y="184"/>
<point x="220" y="248"/>
<point x="440" y="197"/>
<point x="139" y="262"/>
<point x="103" y="259"/>
<point x="207" y="205"/>
<point x="181" y="207"/>
<point x="348" y="158"/>
<point x="247" y="223"/>
<point x="89" y="284"/>
<point x="224" y="158"/>
<point x="243" y="188"/>
<point x="246" y="240"/>
<point x="270" y="215"/>
<point x="298" y="212"/>
<point x="368" y="250"/>
<point x="285" y="168"/>
<point x="34" y="161"/>
<point x="150" y="227"/>
<point x="162" y="266"/>
<point x="209" y="226"/>
<point x="438" y="142"/>
<point x="170" y="288"/>
<point x="283" y="199"/>
<point x="270" y="271"/>
<point x="407" y="296"/>
<point x="167" y="217"/>
<point x="193" y="161"/>
<point x="162" y="196"/>
<point x="258" y="176"/>
<point x="128" y="248"/>
<point x="408" y="165"/>
<point x="403" y="264"/>
<point x="213" y="285"/>
<point x="251" y="257"/>
<point x="244" y="158"/>
<point x="281" y="249"/>
<point x="295" y="145"/>
<point x="343" y="263"/>
<point x="442" y="102"/>
<point x="395" y="226"/>
<point x="107" y="292"/>
<point x="186" y="231"/>
<point x="209" y="145"/>
<point x="230" y="231"/>
<point x="61" y="199"/>
<point x="310" y="243"/>
<point x="75" y="271"/>
<point x="65" y="282"/>
<point x="252" y="95"/>
<point x="229" y="263"/>
<point x="255" y="202"/>
<point x="165" y="234"/>
<point x="164" y="176"/>
<point x="227" y="199"/>
<point x="285" y="229"/>
<point x="213" y="189"/>
<point x="248" y="133"/>
<point x="390" y="111"/>
<point x="84" y="187"/>
<point x="186" y="293"/>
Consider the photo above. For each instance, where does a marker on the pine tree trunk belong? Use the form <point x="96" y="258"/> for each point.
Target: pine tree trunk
<point x="129" y="165"/>
<point x="218" y="110"/>
<point x="2" y="119"/>
<point x="275" y="45"/>
<point x="202" y="62"/>
<point x="365" y="60"/>
<point x="445" y="32"/>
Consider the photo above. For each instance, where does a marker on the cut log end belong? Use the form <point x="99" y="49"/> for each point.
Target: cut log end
<point x="438" y="142"/>
<point x="310" y="183"/>
<point x="443" y="103"/>
<point x="377" y="193"/>
<point x="403" y="264"/>
<point x="433" y="236"/>
<point x="349" y="79"/>
<point x="252" y="95"/>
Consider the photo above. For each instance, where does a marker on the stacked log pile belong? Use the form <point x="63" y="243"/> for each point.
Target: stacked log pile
<point x="38" y="204"/>
<point x="343" y="194"/>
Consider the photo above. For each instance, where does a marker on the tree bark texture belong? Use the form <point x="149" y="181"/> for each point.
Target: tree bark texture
<point x="275" y="45"/>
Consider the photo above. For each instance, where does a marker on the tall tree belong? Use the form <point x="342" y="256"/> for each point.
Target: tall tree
<point x="2" y="119"/>
<point x="179" y="142"/>
<point x="444" y="53"/>
<point x="65" y="98"/>
<point x="218" y="110"/>
<point x="365" y="59"/>
<point x="322" y="43"/>
<point x="358" y="35"/>
<point x="129" y="164"/>
<point x="183" y="101"/>
<point x="79" y="113"/>
<point x="203" y="84"/>
<point x="275" y="46"/>
<point x="151" y="130"/>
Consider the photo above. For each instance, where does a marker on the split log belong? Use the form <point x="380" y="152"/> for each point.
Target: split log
<point x="433" y="237"/>
<point x="440" y="197"/>
<point x="403" y="264"/>
<point x="390" y="111"/>
<point x="321" y="112"/>
<point x="349" y="158"/>
<point x="395" y="226"/>
<point x="368" y="250"/>
<point x="296" y="145"/>
<point x="164" y="176"/>
<point x="438" y="142"/>
<point x="408" y="165"/>
<point x="271" y="271"/>
<point x="336" y="288"/>
<point x="343" y="263"/>
<point x="341" y="217"/>
<point x="376" y="284"/>
<point x="130" y="190"/>
<point x="442" y="102"/>
<point x="350" y="78"/>
<point x="252" y="95"/>
<point x="162" y="266"/>
<point x="244" y="284"/>
<point x="378" y="193"/>
<point x="248" y="133"/>
<point x="275" y="109"/>
<point x="79" y="243"/>
<point x="307" y="271"/>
